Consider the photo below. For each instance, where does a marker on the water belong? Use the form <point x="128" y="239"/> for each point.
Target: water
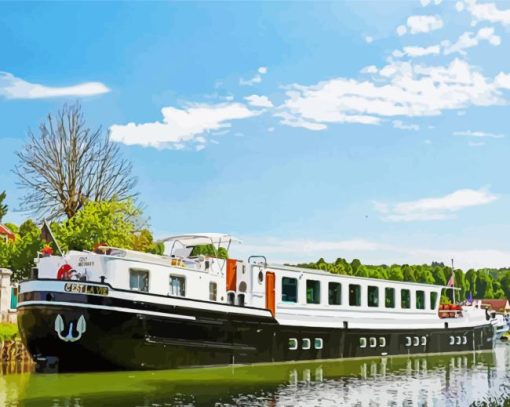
<point x="445" y="380"/>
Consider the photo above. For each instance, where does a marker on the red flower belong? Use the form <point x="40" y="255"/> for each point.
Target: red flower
<point x="47" y="251"/>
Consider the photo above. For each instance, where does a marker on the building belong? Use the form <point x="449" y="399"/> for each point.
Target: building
<point x="6" y="234"/>
<point x="501" y="306"/>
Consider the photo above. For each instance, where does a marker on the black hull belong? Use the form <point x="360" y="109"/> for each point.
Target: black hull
<point x="164" y="339"/>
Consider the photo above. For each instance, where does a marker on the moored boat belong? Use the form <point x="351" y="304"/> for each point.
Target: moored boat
<point x="120" y="309"/>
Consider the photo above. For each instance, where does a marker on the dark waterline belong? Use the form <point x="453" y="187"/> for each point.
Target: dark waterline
<point x="441" y="380"/>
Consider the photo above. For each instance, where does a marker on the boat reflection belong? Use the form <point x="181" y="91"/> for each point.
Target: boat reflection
<point x="459" y="379"/>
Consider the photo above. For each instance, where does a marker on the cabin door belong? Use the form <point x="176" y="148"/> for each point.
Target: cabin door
<point x="270" y="292"/>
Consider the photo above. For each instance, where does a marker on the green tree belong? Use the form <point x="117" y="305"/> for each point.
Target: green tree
<point x="110" y="222"/>
<point x="26" y="247"/>
<point x="3" y="206"/>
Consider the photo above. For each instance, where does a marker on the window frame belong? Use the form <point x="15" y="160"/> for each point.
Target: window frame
<point x="433" y="304"/>
<point x="316" y="298"/>
<point x="330" y="291"/>
<point x="296" y="290"/>
<point x="402" y="290"/>
<point x="215" y="291"/>
<point x="140" y="270"/>
<point x="420" y="293"/>
<point x="182" y="288"/>
<point x="376" y="304"/>
<point x="358" y="295"/>
<point x="393" y="302"/>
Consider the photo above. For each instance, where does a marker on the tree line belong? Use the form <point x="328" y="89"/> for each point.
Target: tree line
<point x="483" y="283"/>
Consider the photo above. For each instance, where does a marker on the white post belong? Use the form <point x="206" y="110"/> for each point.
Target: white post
<point x="5" y="294"/>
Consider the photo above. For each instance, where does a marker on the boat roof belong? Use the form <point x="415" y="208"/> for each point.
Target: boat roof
<point x="197" y="239"/>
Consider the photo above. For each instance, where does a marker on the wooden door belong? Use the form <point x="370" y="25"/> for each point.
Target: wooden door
<point x="270" y="292"/>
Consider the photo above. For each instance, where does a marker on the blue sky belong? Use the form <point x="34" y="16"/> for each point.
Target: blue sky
<point x="373" y="130"/>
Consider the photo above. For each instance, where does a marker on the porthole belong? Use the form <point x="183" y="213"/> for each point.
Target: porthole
<point x="416" y="341"/>
<point x="452" y="340"/>
<point x="464" y="339"/>
<point x="362" y="342"/>
<point x="293" y="344"/>
<point x="459" y="339"/>
<point x="382" y="342"/>
<point x="423" y="340"/>
<point x="261" y="277"/>
<point x="408" y="341"/>
<point x="318" y="343"/>
<point x="373" y="342"/>
<point x="306" y="344"/>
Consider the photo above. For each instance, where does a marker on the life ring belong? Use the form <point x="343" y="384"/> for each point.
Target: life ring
<point x="64" y="272"/>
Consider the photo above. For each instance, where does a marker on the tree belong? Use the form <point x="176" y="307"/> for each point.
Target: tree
<point x="110" y="222"/>
<point x="3" y="207"/>
<point x="67" y="164"/>
<point x="27" y="245"/>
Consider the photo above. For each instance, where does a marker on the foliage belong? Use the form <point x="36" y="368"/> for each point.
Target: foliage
<point x="209" y="250"/>
<point x="143" y="241"/>
<point x="109" y="222"/>
<point x="3" y="207"/>
<point x="66" y="164"/>
<point x="8" y="331"/>
<point x="483" y="283"/>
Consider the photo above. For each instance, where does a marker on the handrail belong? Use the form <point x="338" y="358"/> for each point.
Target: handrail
<point x="257" y="256"/>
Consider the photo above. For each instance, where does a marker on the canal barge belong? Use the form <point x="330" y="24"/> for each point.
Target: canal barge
<point x="114" y="309"/>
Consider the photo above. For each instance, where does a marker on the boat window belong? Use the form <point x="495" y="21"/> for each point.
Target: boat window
<point x="354" y="294"/>
<point x="433" y="300"/>
<point x="318" y="343"/>
<point x="362" y="342"/>
<point x="293" y="343"/>
<point x="306" y="344"/>
<point x="373" y="342"/>
<point x="213" y="291"/>
<point x="139" y="280"/>
<point x="335" y="293"/>
<point x="177" y="286"/>
<point x="382" y="342"/>
<point x="313" y="292"/>
<point x="405" y="298"/>
<point x="389" y="297"/>
<point x="289" y="289"/>
<point x="420" y="299"/>
<point x="373" y="296"/>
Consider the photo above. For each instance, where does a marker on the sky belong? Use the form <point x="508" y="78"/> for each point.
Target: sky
<point x="375" y="130"/>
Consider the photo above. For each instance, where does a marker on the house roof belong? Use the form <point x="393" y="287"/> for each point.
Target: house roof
<point x="4" y="230"/>
<point x="497" y="305"/>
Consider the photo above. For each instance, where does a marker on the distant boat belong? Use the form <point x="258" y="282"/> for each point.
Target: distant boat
<point x="500" y="325"/>
<point x="120" y="309"/>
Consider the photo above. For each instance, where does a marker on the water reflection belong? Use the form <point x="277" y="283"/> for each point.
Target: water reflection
<point x="451" y="380"/>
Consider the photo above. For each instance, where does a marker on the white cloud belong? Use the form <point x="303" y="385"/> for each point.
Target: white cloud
<point x="468" y="40"/>
<point x="434" y="208"/>
<point x="479" y="134"/>
<point x="369" y="39"/>
<point x="398" y="89"/>
<point x="369" y="69"/>
<point x="398" y="124"/>
<point x="368" y="251"/>
<point x="414" y="52"/>
<point x="259" y="101"/>
<point x="12" y="87"/>
<point x="503" y="80"/>
<point x="459" y="6"/>
<point x="181" y="126"/>
<point x="487" y="12"/>
<point x="421" y="24"/>
<point x="257" y="78"/>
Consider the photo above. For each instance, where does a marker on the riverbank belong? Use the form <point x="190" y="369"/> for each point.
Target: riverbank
<point x="14" y="358"/>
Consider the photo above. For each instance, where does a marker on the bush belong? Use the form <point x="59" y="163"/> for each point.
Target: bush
<point x="8" y="331"/>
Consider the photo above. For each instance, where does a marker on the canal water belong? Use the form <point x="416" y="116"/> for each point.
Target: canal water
<point x="464" y="379"/>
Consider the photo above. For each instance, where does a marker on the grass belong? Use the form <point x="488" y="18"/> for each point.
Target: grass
<point x="8" y="331"/>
